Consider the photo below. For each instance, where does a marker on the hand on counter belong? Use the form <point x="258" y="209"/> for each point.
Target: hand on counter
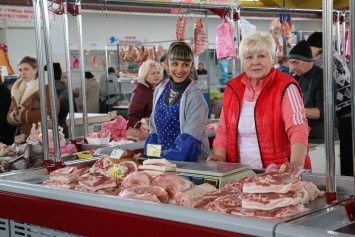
<point x="215" y="158"/>
<point x="291" y="168"/>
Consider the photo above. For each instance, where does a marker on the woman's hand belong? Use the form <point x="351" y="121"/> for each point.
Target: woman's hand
<point x="291" y="168"/>
<point x="216" y="158"/>
<point x="19" y="111"/>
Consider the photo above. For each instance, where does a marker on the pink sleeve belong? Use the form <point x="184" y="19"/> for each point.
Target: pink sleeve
<point x="221" y="139"/>
<point x="294" y="117"/>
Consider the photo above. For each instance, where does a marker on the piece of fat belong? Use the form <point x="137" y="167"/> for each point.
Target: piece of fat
<point x="160" y="162"/>
<point x="156" y="167"/>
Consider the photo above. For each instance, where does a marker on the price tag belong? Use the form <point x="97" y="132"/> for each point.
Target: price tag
<point x="116" y="171"/>
<point x="97" y="127"/>
<point x="20" y="138"/>
<point x="116" y="153"/>
<point x="153" y="150"/>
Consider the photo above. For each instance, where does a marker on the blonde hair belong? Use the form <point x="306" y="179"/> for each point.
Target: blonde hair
<point x="180" y="51"/>
<point x="145" y="67"/>
<point x="255" y="42"/>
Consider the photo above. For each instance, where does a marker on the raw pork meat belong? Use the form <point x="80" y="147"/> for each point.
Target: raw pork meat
<point x="200" y="38"/>
<point x="66" y="174"/>
<point x="180" y="28"/>
<point x="225" y="204"/>
<point x="186" y="197"/>
<point x="269" y="201"/>
<point x="312" y="190"/>
<point x="201" y="202"/>
<point x="137" y="191"/>
<point x="136" y="178"/>
<point x="96" y="181"/>
<point x="275" y="29"/>
<point x="286" y="33"/>
<point x="108" y="191"/>
<point x="161" y="162"/>
<point x="276" y="214"/>
<point x="272" y="182"/>
<point x="172" y="184"/>
<point x="59" y="184"/>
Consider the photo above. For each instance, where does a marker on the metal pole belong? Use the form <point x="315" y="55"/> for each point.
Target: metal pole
<point x="82" y="71"/>
<point x="107" y="95"/>
<point x="352" y="71"/>
<point x="343" y="25"/>
<point x="337" y="30"/>
<point x="42" y="92"/>
<point x="328" y="100"/>
<point x="68" y="70"/>
<point x="237" y="25"/>
<point x="52" y="91"/>
<point x="233" y="59"/>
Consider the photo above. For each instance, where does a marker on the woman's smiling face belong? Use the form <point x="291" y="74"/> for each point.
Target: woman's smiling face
<point x="257" y="65"/>
<point x="180" y="70"/>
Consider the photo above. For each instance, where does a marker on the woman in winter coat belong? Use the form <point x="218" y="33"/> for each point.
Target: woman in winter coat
<point x="149" y="76"/>
<point x="92" y="94"/>
<point x="180" y="111"/>
<point x="25" y="104"/>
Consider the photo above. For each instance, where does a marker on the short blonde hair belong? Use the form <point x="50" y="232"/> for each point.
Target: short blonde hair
<point x="145" y="67"/>
<point x="255" y="42"/>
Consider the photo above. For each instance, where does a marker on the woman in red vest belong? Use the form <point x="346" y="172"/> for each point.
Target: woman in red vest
<point x="263" y="120"/>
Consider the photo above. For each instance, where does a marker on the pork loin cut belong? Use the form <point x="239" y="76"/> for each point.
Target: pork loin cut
<point x="172" y="184"/>
<point x="272" y="183"/>
<point x="136" y="193"/>
<point x="186" y="197"/>
<point x="97" y="181"/>
<point x="66" y="174"/>
<point x="269" y="201"/>
<point x="59" y="184"/>
<point x="275" y="214"/>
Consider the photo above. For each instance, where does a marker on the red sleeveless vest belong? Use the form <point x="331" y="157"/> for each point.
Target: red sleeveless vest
<point x="273" y="140"/>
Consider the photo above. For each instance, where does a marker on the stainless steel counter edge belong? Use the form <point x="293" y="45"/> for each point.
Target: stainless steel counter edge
<point x="289" y="230"/>
<point x="162" y="211"/>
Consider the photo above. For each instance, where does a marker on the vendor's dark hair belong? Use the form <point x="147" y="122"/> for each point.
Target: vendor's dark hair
<point x="111" y="70"/>
<point x="180" y="51"/>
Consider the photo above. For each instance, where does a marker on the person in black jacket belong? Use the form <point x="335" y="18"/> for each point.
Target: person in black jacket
<point x="7" y="132"/>
<point x="310" y="80"/>
<point x="62" y="92"/>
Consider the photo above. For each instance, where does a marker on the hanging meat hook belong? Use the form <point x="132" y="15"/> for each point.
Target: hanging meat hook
<point x="199" y="9"/>
<point x="177" y="14"/>
<point x="104" y="14"/>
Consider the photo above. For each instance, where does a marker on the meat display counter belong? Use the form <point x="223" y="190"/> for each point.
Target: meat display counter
<point x="87" y="214"/>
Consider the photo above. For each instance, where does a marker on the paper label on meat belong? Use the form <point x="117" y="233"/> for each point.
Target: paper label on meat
<point x="116" y="153"/>
<point x="154" y="150"/>
<point x="116" y="171"/>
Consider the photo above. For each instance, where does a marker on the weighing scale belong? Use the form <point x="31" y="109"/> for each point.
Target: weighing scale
<point x="214" y="173"/>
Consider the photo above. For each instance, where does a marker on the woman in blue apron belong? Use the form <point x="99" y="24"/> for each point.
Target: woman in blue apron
<point x="179" y="111"/>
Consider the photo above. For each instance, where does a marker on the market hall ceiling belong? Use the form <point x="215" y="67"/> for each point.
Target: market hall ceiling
<point x="288" y="4"/>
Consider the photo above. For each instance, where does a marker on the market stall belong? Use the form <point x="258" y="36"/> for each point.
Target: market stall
<point x="87" y="214"/>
